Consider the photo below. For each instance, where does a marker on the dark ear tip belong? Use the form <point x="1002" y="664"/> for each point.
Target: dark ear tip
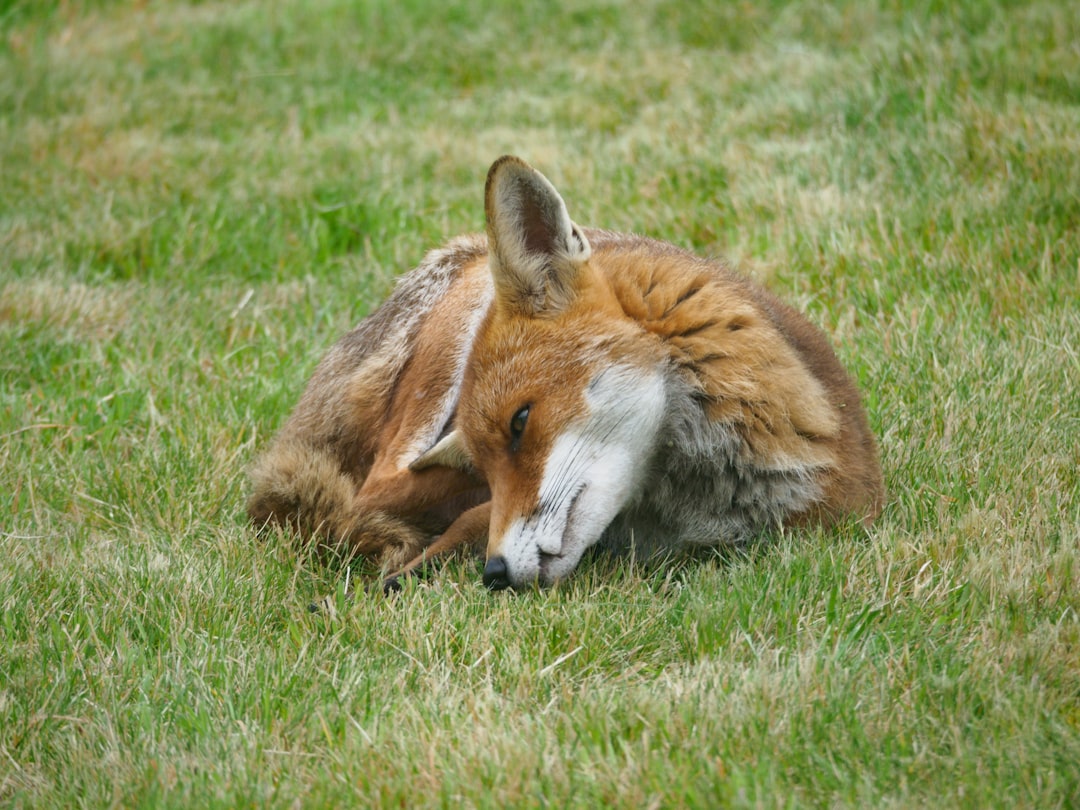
<point x="507" y="159"/>
<point x="499" y="164"/>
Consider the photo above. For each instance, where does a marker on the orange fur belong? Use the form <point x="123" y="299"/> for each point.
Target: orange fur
<point x="338" y="470"/>
<point x="551" y="386"/>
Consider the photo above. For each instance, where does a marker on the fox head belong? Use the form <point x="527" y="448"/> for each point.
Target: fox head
<point x="563" y="395"/>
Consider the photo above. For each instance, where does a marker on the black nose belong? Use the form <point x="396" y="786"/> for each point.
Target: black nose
<point x="495" y="574"/>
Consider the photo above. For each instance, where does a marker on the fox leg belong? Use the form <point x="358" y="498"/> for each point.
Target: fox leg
<point x="470" y="528"/>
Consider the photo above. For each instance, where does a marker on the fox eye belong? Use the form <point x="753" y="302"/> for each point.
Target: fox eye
<point x="517" y="426"/>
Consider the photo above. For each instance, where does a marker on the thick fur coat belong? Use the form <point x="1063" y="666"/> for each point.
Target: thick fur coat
<point x="550" y="387"/>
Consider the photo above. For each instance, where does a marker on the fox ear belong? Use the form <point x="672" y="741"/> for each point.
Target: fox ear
<point x="449" y="451"/>
<point x="535" y="250"/>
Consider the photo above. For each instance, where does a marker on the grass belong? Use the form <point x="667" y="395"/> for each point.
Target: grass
<point x="198" y="198"/>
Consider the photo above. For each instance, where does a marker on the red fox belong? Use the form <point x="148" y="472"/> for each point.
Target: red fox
<point x="551" y="387"/>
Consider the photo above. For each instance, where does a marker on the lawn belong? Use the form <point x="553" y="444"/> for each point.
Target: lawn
<point x="197" y="198"/>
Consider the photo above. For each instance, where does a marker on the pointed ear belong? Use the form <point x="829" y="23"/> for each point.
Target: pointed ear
<point x="536" y="252"/>
<point x="449" y="451"/>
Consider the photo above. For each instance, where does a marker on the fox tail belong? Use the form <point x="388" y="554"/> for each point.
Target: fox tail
<point x="304" y="489"/>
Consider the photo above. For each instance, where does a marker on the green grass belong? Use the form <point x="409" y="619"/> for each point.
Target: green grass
<point x="196" y="199"/>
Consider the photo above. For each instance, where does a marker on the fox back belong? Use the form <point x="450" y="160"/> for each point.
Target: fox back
<point x="554" y="387"/>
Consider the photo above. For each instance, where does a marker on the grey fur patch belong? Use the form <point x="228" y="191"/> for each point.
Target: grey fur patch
<point x="701" y="490"/>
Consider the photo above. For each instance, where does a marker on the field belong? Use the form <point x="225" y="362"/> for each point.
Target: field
<point x="197" y="198"/>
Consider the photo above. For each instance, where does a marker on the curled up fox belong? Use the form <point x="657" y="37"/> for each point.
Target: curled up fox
<point x="550" y="387"/>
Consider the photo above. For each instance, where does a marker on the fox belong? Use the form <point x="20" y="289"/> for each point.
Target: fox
<point x="543" y="388"/>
